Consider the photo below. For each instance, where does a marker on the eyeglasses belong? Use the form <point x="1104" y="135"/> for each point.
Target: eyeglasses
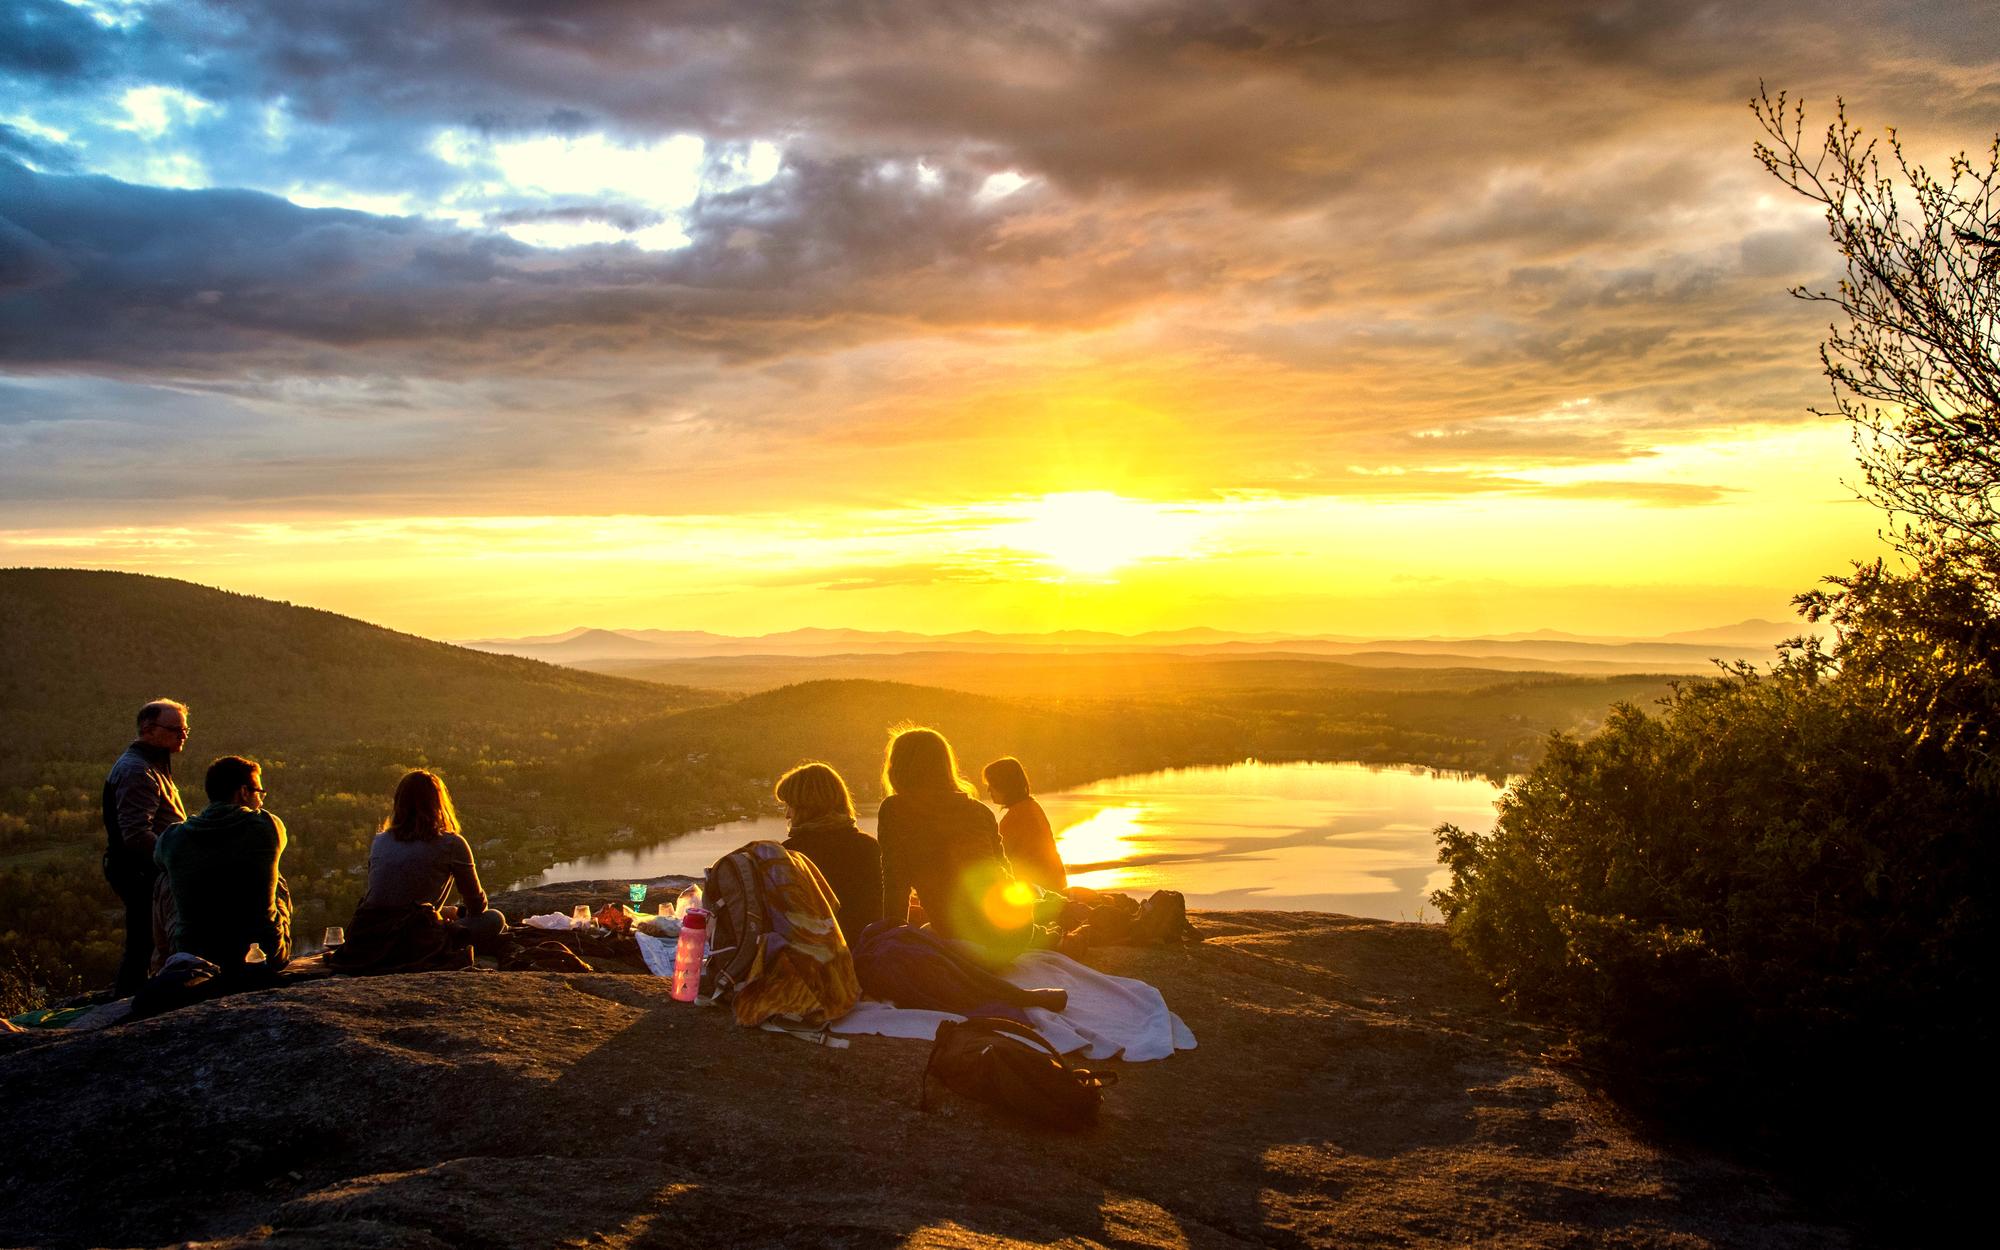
<point x="257" y="790"/>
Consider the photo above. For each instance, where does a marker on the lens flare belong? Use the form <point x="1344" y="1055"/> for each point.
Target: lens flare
<point x="1008" y="904"/>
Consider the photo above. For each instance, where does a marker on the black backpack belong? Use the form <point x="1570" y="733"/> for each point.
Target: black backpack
<point x="1010" y="1066"/>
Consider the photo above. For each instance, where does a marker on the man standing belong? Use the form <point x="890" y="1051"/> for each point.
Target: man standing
<point x="222" y="866"/>
<point x="141" y="802"/>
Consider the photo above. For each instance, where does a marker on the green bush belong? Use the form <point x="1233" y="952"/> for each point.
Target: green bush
<point x="1771" y="899"/>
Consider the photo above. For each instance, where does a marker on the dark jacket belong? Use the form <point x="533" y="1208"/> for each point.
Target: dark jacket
<point x="851" y="862"/>
<point x="141" y="802"/>
<point x="946" y="846"/>
<point x="223" y="868"/>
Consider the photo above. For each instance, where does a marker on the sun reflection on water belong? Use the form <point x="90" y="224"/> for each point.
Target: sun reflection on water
<point x="1094" y="848"/>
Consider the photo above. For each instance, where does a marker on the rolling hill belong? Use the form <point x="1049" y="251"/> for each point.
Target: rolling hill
<point x="85" y="649"/>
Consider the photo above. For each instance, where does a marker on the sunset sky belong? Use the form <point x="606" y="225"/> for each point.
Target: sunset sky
<point x="1390" y="317"/>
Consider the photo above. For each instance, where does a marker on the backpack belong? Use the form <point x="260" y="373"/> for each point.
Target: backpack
<point x="1010" y="1066"/>
<point x="775" y="946"/>
<point x="1162" y="918"/>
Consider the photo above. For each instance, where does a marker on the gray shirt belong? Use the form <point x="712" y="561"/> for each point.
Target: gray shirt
<point x="401" y="874"/>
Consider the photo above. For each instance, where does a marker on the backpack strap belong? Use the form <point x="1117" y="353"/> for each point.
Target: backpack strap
<point x="1013" y="1028"/>
<point x="1001" y="1024"/>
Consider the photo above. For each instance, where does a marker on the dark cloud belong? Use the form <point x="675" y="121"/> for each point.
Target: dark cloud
<point x="51" y="41"/>
<point x="107" y="275"/>
<point x="1280" y="103"/>
<point x="51" y="157"/>
<point x="624" y="216"/>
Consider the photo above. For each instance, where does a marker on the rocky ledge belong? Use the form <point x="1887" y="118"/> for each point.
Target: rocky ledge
<point x="1354" y="1085"/>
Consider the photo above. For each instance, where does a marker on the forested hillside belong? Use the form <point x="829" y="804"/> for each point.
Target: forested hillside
<point x="85" y="648"/>
<point x="334" y="708"/>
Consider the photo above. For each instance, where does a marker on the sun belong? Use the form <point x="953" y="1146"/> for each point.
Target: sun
<point x="1095" y="533"/>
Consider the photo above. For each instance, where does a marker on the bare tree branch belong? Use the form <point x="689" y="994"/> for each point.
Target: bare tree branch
<point x="1915" y="369"/>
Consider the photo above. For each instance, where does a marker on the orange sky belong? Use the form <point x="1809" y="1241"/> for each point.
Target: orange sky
<point x="1453" y="319"/>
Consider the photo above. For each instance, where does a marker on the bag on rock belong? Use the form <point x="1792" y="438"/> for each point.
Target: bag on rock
<point x="1012" y="1067"/>
<point x="1162" y="918"/>
<point x="775" y="948"/>
<point x="547" y="956"/>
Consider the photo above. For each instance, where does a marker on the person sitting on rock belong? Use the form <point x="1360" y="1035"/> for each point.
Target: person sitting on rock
<point x="221" y="866"/>
<point x="944" y="843"/>
<point x="420" y="854"/>
<point x="1024" y="827"/>
<point x="823" y="830"/>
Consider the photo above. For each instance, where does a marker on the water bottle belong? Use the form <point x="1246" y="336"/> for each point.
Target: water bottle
<point x="688" y="953"/>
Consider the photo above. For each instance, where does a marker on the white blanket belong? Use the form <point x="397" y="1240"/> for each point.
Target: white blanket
<point x="1106" y="1015"/>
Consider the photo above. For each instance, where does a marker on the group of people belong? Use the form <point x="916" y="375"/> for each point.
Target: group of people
<point x="210" y="885"/>
<point x="974" y="878"/>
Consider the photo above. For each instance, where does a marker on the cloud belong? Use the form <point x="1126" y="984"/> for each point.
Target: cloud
<point x="121" y="278"/>
<point x="51" y="41"/>
<point x="653" y="252"/>
<point x="1655" y="494"/>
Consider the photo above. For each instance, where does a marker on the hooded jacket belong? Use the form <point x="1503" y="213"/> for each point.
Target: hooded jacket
<point x="223" y="868"/>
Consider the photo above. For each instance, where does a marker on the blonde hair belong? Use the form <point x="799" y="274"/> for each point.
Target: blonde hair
<point x="422" y="809"/>
<point x="921" y="760"/>
<point x="814" y="790"/>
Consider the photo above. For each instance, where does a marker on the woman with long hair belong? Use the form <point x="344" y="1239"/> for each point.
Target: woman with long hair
<point x="1024" y="827"/>
<point x="412" y="866"/>
<point x="940" y="841"/>
<point x="821" y="812"/>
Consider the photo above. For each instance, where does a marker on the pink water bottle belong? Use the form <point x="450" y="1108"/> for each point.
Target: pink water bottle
<point x="688" y="955"/>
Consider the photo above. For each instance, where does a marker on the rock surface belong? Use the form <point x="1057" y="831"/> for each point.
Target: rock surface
<point x="1354" y="1086"/>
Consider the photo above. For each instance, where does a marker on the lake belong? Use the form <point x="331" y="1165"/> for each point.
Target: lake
<point x="1351" y="838"/>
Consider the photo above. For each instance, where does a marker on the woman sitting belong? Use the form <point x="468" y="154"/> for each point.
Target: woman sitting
<point x="412" y="866"/>
<point x="939" y="840"/>
<point x="1024" y="828"/>
<point x="823" y="830"/>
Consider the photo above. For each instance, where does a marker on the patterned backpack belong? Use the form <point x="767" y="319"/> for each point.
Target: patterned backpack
<point x="775" y="948"/>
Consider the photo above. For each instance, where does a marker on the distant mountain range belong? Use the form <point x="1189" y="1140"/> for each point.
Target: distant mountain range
<point x="1688" y="650"/>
